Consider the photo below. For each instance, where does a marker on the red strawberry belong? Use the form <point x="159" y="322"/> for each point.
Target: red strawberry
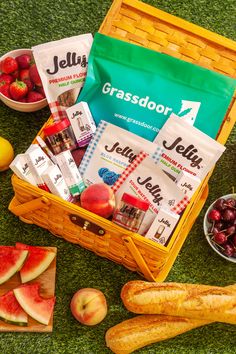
<point x="8" y="79"/>
<point x="34" y="75"/>
<point x="29" y="83"/>
<point x="15" y="74"/>
<point x="40" y="90"/>
<point x="24" y="61"/>
<point x="34" y="96"/>
<point x="4" y="89"/>
<point x="18" y="90"/>
<point x="9" y="65"/>
<point x="24" y="74"/>
<point x="23" y="100"/>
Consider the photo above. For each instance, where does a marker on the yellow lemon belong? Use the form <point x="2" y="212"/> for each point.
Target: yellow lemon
<point x="6" y="154"/>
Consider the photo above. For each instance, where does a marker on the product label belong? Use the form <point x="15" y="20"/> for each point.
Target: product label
<point x="166" y="86"/>
<point x="187" y="183"/>
<point x="145" y="180"/>
<point x="62" y="66"/>
<point x="82" y="123"/>
<point x="110" y="151"/>
<point x="162" y="227"/>
<point x="186" y="149"/>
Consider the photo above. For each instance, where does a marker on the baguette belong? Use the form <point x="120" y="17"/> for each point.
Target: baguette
<point x="202" y="302"/>
<point x="143" y="330"/>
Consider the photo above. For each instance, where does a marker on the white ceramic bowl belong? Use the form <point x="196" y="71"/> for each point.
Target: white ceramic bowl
<point x="207" y="225"/>
<point x="21" y="106"/>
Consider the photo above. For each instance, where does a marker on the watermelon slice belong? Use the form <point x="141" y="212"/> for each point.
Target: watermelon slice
<point x="11" y="260"/>
<point x="11" y="311"/>
<point x="37" y="262"/>
<point x="37" y="307"/>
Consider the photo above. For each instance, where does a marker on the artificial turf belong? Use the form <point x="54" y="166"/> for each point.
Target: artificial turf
<point x="28" y="23"/>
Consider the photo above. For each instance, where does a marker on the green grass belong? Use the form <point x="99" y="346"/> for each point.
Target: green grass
<point x="27" y="23"/>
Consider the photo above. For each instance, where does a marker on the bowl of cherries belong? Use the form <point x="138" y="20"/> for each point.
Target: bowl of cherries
<point x="220" y="226"/>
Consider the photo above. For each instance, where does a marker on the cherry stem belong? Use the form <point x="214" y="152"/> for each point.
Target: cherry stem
<point x="213" y="224"/>
<point x="217" y="244"/>
<point x="211" y="233"/>
<point x="229" y="206"/>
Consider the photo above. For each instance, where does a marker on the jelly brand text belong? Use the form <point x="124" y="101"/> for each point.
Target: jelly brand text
<point x="188" y="152"/>
<point x="130" y="211"/>
<point x="39" y="159"/>
<point x="123" y="151"/>
<point x="165" y="222"/>
<point x="72" y="59"/>
<point x="154" y="190"/>
<point x="57" y="178"/>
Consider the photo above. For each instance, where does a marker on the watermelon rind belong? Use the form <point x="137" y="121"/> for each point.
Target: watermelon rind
<point x="11" y="261"/>
<point x="31" y="268"/>
<point x="39" y="308"/>
<point x="10" y="310"/>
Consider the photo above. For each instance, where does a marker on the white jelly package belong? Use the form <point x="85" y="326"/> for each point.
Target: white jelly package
<point x="145" y="180"/>
<point x="62" y="66"/>
<point x="187" y="149"/>
<point x="110" y="151"/>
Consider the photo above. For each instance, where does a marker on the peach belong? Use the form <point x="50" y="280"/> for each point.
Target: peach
<point x="89" y="306"/>
<point x="98" y="198"/>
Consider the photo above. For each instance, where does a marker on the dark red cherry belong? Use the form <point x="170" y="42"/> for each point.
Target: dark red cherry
<point x="220" y="238"/>
<point x="228" y="250"/>
<point x="214" y="215"/>
<point x="230" y="230"/>
<point x="220" y="204"/>
<point x="234" y="240"/>
<point x="228" y="215"/>
<point x="231" y="202"/>
<point x="219" y="225"/>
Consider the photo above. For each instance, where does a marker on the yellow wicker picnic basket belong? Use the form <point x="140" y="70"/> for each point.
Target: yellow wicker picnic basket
<point x="139" y="23"/>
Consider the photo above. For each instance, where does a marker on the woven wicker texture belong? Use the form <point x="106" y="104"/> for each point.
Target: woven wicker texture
<point x="144" y="25"/>
<point x="141" y="24"/>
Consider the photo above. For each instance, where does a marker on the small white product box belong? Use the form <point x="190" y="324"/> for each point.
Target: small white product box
<point x="70" y="172"/>
<point x="20" y="167"/>
<point x="82" y="122"/>
<point x="162" y="226"/>
<point x="187" y="183"/>
<point x="39" y="162"/>
<point x="54" y="180"/>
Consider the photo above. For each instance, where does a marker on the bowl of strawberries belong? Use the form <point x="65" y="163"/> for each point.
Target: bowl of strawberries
<point x="220" y="226"/>
<point x="20" y="84"/>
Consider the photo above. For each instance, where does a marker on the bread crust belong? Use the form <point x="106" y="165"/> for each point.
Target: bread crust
<point x="197" y="301"/>
<point x="143" y="330"/>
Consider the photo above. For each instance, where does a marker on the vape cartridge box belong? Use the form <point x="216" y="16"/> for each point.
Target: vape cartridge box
<point x="187" y="183"/>
<point x="53" y="178"/>
<point x="38" y="163"/>
<point x="162" y="226"/>
<point x="20" y="167"/>
<point x="82" y="122"/>
<point x="70" y="172"/>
